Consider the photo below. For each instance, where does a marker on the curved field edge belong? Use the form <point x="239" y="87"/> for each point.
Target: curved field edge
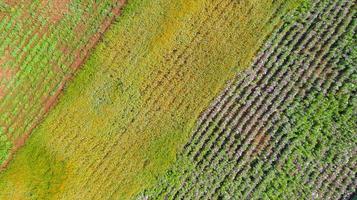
<point x="284" y="128"/>
<point x="43" y="44"/>
<point x="121" y="121"/>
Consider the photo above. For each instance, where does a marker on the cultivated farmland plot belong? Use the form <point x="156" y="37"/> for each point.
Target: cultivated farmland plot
<point x="286" y="127"/>
<point x="42" y="43"/>
<point x="120" y="122"/>
<point x="178" y="99"/>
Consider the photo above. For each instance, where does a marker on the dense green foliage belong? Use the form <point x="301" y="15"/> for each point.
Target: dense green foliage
<point x="323" y="133"/>
<point x="284" y="128"/>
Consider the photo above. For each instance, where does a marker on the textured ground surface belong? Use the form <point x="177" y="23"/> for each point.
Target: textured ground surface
<point x="286" y="127"/>
<point x="42" y="43"/>
<point x="283" y="125"/>
<point x="135" y="102"/>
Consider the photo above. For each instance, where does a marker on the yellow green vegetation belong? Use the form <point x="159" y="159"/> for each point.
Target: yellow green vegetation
<point x="121" y="121"/>
<point x="42" y="43"/>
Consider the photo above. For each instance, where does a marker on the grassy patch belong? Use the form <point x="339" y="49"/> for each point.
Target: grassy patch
<point x="41" y="44"/>
<point x="122" y="120"/>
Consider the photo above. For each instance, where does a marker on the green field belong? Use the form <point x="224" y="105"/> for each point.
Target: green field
<point x="286" y="127"/>
<point x="42" y="43"/>
<point x="121" y="121"/>
<point x="177" y="99"/>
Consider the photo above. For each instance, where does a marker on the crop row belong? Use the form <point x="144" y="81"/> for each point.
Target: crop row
<point x="244" y="136"/>
<point x="42" y="55"/>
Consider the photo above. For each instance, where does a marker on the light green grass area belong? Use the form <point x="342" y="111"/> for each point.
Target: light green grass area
<point x="122" y="120"/>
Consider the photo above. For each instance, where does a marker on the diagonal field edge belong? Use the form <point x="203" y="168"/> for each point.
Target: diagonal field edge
<point x="77" y="63"/>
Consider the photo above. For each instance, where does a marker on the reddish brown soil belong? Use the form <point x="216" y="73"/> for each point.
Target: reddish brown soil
<point x="6" y="57"/>
<point x="11" y="2"/>
<point x="63" y="48"/>
<point x="51" y="100"/>
<point x="5" y="74"/>
<point x="80" y="58"/>
<point x="56" y="9"/>
<point x="78" y="29"/>
<point x="95" y="38"/>
<point x="56" y="68"/>
<point x="2" y="92"/>
<point x="260" y="141"/>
